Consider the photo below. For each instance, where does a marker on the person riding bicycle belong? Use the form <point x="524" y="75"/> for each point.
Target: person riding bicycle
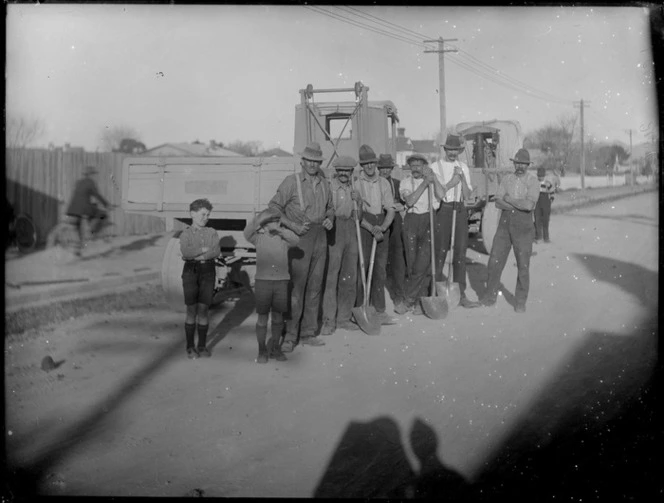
<point x="82" y="207"/>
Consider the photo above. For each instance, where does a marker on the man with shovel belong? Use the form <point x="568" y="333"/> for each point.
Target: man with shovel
<point x="377" y="217"/>
<point x="306" y="201"/>
<point x="341" y="280"/>
<point x="414" y="190"/>
<point x="455" y="178"/>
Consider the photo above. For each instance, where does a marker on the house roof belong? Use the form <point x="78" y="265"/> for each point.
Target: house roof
<point x="196" y="149"/>
<point x="404" y="144"/>
<point x="276" y="152"/>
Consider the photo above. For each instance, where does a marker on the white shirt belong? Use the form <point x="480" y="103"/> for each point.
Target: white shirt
<point x="444" y="171"/>
<point x="408" y="186"/>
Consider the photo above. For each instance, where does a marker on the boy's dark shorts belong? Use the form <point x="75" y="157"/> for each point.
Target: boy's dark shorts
<point x="271" y="294"/>
<point x="198" y="279"/>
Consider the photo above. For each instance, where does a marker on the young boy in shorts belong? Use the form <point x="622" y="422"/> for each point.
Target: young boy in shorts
<point x="200" y="247"/>
<point x="272" y="241"/>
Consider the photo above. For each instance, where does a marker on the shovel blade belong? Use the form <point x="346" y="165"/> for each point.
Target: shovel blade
<point x="366" y="321"/>
<point x="450" y="292"/>
<point x="435" y="308"/>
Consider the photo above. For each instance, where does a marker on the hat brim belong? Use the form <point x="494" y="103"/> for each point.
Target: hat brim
<point x="450" y="147"/>
<point x="417" y="158"/>
<point x="344" y="168"/>
<point x="312" y="157"/>
<point x="521" y="162"/>
<point x="368" y="161"/>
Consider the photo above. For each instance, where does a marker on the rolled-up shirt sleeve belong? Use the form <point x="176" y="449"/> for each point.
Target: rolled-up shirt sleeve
<point x="386" y="195"/>
<point x="533" y="189"/>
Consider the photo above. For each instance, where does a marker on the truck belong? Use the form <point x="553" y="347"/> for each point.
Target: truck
<point x="241" y="187"/>
<point x="489" y="147"/>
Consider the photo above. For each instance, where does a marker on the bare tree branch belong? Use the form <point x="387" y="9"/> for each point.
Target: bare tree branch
<point x="111" y="137"/>
<point x="22" y="131"/>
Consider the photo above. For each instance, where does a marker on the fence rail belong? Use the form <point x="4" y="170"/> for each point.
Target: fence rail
<point x="40" y="182"/>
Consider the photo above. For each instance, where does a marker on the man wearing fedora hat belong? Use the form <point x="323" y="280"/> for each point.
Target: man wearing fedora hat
<point x="306" y="201"/>
<point x="377" y="216"/>
<point x="341" y="278"/>
<point x="81" y="206"/>
<point x="454" y="175"/>
<point x="414" y="190"/>
<point x="395" y="269"/>
<point x="516" y="196"/>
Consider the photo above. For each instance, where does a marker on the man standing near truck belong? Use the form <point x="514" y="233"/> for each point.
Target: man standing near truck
<point x="305" y="199"/>
<point x="377" y="216"/>
<point x="454" y="176"/>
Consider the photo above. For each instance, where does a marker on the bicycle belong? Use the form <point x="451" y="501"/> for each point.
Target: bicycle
<point x="66" y="233"/>
<point x="22" y="233"/>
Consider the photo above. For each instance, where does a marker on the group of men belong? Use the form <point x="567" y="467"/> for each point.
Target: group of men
<point x="394" y="235"/>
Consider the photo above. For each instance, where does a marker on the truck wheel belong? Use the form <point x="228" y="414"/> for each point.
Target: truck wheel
<point x="171" y="275"/>
<point x="490" y="217"/>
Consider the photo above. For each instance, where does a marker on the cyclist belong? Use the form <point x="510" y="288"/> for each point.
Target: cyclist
<point x="82" y="207"/>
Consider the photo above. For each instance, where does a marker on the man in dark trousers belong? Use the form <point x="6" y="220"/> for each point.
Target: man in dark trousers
<point x="543" y="207"/>
<point x="341" y="279"/>
<point x="306" y="201"/>
<point x="455" y="178"/>
<point x="82" y="207"/>
<point x="377" y="216"/>
<point x="516" y="196"/>
<point x="396" y="259"/>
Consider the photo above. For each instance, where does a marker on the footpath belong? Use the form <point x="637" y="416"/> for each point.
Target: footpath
<point x="123" y="263"/>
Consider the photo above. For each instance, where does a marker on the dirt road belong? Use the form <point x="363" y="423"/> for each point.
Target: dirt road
<point x="556" y="401"/>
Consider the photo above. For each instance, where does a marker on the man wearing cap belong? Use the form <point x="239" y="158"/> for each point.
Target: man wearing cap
<point x="395" y="269"/>
<point x="543" y="207"/>
<point x="516" y="196"/>
<point x="377" y="216"/>
<point x="82" y="207"/>
<point x="342" y="251"/>
<point x="306" y="201"/>
<point x="414" y="190"/>
<point x="455" y="178"/>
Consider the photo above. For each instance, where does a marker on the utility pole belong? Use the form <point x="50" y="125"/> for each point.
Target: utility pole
<point x="441" y="84"/>
<point x="582" y="105"/>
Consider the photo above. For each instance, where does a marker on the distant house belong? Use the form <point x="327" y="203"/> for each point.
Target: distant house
<point x="276" y="152"/>
<point x="406" y="147"/>
<point x="190" y="149"/>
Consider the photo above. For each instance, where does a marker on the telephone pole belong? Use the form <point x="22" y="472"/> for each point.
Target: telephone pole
<point x="582" y="105"/>
<point x="441" y="83"/>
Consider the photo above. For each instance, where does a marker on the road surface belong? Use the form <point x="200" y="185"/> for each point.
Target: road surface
<point x="553" y="402"/>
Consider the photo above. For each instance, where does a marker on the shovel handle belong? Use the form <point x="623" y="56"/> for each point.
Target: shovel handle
<point x="433" y="257"/>
<point x="451" y="252"/>
<point x="359" y="241"/>
<point x="371" y="265"/>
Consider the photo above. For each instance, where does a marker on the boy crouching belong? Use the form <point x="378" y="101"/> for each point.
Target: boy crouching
<point x="271" y="287"/>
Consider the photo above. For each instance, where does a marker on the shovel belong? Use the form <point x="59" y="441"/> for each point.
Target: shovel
<point x="434" y="307"/>
<point x="363" y="316"/>
<point x="447" y="289"/>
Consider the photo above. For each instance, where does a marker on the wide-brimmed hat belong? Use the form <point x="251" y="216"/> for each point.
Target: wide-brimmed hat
<point x="541" y="171"/>
<point x="367" y="155"/>
<point x="312" y="152"/>
<point x="344" y="163"/>
<point x="385" y="161"/>
<point x="417" y="156"/>
<point x="90" y="170"/>
<point x="454" y="142"/>
<point x="522" y="157"/>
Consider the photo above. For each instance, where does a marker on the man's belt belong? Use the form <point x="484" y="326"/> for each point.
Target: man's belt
<point x="193" y="261"/>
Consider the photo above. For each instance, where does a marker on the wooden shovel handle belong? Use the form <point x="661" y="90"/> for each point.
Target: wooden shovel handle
<point x="433" y="257"/>
<point x="451" y="251"/>
<point x="371" y="265"/>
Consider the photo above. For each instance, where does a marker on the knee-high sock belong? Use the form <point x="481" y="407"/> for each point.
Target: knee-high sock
<point x="190" y="332"/>
<point x="277" y="329"/>
<point x="202" y="335"/>
<point x="261" y="333"/>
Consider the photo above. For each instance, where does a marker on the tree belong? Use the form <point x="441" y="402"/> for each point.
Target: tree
<point x="111" y="137"/>
<point x="248" y="149"/>
<point x="22" y="131"/>
<point x="130" y="146"/>
<point x="555" y="139"/>
<point x="607" y="156"/>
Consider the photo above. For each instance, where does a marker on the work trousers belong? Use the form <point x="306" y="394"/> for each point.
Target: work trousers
<point x="377" y="293"/>
<point x="307" y="269"/>
<point x="396" y="262"/>
<point x="341" y="279"/>
<point x="515" y="230"/>
<point x="542" y="216"/>
<point x="417" y="243"/>
<point x="443" y="238"/>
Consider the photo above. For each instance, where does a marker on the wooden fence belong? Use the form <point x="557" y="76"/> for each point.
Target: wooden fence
<point x="40" y="182"/>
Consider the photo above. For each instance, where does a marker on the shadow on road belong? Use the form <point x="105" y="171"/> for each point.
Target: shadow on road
<point x="631" y="218"/>
<point x="370" y="462"/>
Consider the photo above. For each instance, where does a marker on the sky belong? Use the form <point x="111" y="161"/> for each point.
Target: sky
<point x="233" y="72"/>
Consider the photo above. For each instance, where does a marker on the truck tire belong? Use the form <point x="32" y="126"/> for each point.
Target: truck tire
<point x="490" y="217"/>
<point x="171" y="275"/>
